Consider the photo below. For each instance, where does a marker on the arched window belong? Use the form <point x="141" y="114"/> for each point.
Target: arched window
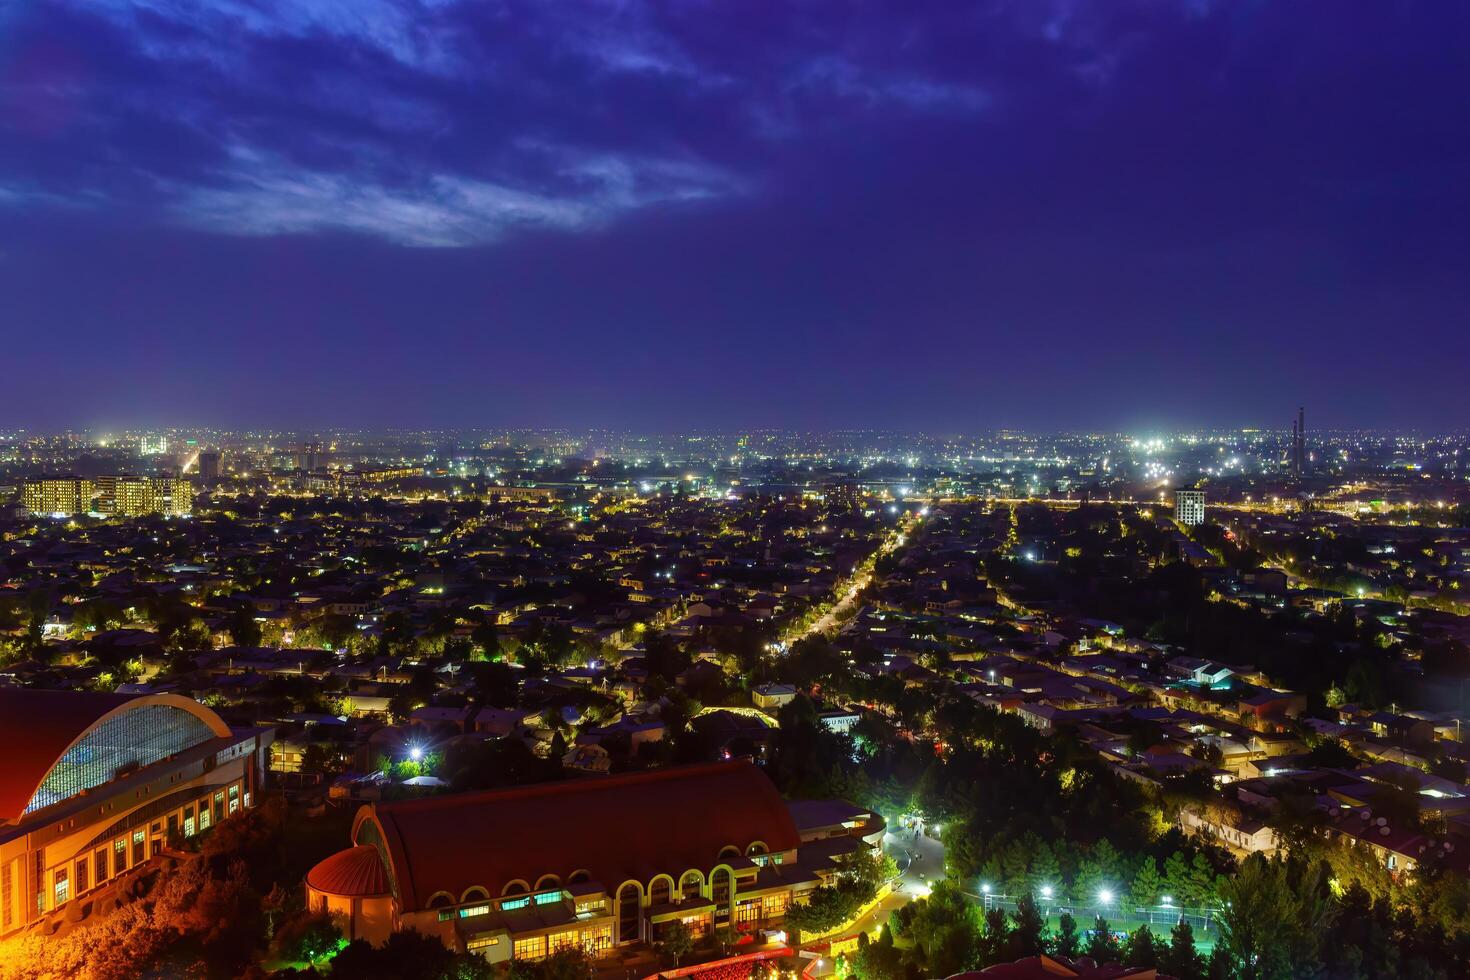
<point x="660" y="890"/>
<point x="517" y="887"/>
<point x="720" y="890"/>
<point x="754" y="849"/>
<point x="729" y="851"/>
<point x="440" y="900"/>
<point x="630" y="913"/>
<point x="690" y="884"/>
<point x="547" y="881"/>
<point x="580" y="875"/>
<point x="475" y="893"/>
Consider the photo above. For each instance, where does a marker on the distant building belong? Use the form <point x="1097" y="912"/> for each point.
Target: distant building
<point x="94" y="785"/>
<point x="1189" y="507"/>
<point x="58" y="496"/>
<point x="209" y="466"/>
<point x="770" y="696"/>
<point x="308" y="456"/>
<point x="138" y="496"/>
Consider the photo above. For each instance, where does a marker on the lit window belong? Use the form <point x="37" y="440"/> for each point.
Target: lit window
<point x="511" y="904"/>
<point x="546" y="898"/>
<point x="62" y="888"/>
<point x="470" y="910"/>
<point x="533" y="948"/>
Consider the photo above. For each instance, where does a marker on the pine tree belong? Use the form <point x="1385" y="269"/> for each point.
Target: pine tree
<point x="995" y="939"/>
<point x="1066" y="942"/>
<point x="1176" y="878"/>
<point x="1101" y="945"/>
<point x="1147" y="885"/>
<point x="1180" y="959"/>
<point x="1202" y="882"/>
<point x="1028" y="935"/>
<point x="1142" y="949"/>
<point x="1013" y="864"/>
<point x="1046" y="870"/>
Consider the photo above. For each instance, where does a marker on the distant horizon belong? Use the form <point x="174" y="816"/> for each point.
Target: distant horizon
<point x="728" y="430"/>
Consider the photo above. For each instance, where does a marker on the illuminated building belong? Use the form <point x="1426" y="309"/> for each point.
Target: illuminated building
<point x="65" y="496"/>
<point x="595" y="863"/>
<point x="94" y="784"/>
<point x="308" y="457"/>
<point x="137" y="496"/>
<point x="1189" y="506"/>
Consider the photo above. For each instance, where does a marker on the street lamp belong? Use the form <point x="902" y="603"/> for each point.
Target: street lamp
<point x="1168" y="902"/>
<point x="1105" y="896"/>
<point x="416" y="753"/>
<point x="984" y="888"/>
<point x="1046" y="892"/>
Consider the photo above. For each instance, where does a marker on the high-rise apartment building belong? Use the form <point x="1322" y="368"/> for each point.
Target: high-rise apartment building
<point x="309" y="456"/>
<point x="137" y="496"/>
<point x="209" y="466"/>
<point x="63" y="496"/>
<point x="1189" y="506"/>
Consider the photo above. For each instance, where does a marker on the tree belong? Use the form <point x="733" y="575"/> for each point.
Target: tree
<point x="1176" y="878"/>
<point x="1258" y="921"/>
<point x="1142" y="949"/>
<point x="1101" y="945"/>
<point x="1066" y="941"/>
<point x="1147" y="885"/>
<point x="1180" y="958"/>
<point x="1046" y="870"/>
<point x="1029" y="933"/>
<point x="995" y="939"/>
<point x="408" y="955"/>
<point x="675" y="939"/>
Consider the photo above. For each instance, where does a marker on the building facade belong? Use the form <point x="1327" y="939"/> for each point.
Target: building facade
<point x="139" y="496"/>
<point x="593" y="863"/>
<point x="58" y="496"/>
<point x="1189" y="507"/>
<point x="93" y="787"/>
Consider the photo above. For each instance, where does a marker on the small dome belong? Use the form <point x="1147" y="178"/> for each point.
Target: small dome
<point x="354" y="873"/>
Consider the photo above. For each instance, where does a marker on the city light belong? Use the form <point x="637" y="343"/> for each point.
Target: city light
<point x="1105" y="897"/>
<point x="1046" y="891"/>
<point x="416" y="753"/>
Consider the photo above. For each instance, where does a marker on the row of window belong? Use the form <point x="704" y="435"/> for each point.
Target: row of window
<point x="130" y="850"/>
<point x="594" y="940"/>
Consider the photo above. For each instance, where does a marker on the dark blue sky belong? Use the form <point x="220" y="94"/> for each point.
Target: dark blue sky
<point x="907" y="214"/>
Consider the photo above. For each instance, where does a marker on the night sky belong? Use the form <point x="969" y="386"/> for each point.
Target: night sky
<point x="909" y="215"/>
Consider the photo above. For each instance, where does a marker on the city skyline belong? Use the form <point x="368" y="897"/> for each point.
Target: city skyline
<point x="1048" y="216"/>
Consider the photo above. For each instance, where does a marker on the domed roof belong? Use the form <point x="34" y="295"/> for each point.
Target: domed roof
<point x="40" y="726"/>
<point x="354" y="873"/>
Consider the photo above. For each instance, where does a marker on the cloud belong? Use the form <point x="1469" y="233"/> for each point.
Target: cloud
<point x="455" y="122"/>
<point x="263" y="196"/>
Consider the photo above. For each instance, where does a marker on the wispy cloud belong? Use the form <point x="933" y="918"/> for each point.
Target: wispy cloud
<point x="263" y="196"/>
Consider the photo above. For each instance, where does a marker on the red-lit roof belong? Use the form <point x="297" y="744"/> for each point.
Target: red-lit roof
<point x="354" y="873"/>
<point x="617" y="828"/>
<point x="38" y="726"/>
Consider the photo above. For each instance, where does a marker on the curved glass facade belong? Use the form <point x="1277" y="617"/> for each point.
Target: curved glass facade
<point x="138" y="737"/>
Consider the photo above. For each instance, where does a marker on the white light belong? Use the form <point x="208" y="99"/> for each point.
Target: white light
<point x="1105" y="896"/>
<point x="1046" y="891"/>
<point x="1168" y="901"/>
<point x="415" y="753"/>
<point x="985" y="889"/>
